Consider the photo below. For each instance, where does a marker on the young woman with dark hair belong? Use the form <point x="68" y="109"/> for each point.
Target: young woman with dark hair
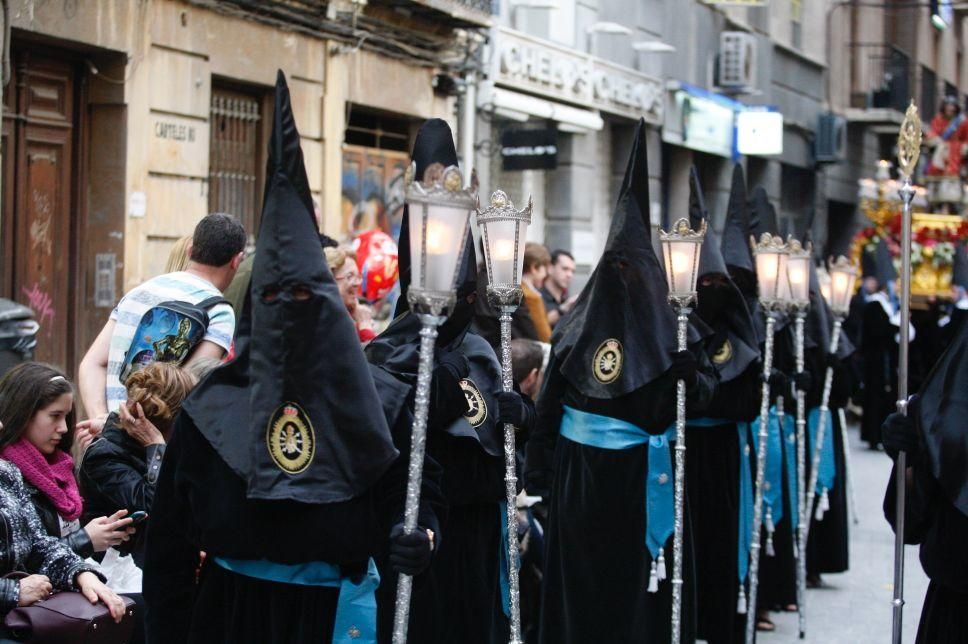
<point x="37" y="408"/>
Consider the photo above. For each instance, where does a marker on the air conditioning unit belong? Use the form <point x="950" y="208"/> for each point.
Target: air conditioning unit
<point x="737" y="60"/>
<point x="830" y="146"/>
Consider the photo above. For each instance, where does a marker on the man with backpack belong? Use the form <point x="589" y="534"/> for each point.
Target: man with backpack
<point x="177" y="317"/>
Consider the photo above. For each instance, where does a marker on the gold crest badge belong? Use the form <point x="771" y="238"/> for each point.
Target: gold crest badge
<point x="290" y="438"/>
<point x="607" y="363"/>
<point x="477" y="412"/>
<point x="724" y="354"/>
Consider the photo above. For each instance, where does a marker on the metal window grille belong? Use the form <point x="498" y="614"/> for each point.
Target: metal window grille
<point x="235" y="154"/>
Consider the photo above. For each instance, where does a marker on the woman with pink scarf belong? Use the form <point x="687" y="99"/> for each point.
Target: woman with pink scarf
<point x="36" y="409"/>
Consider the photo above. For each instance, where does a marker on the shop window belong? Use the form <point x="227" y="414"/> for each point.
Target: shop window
<point x="796" y="23"/>
<point x="375" y="157"/>
<point x="929" y="90"/>
<point x="237" y="154"/>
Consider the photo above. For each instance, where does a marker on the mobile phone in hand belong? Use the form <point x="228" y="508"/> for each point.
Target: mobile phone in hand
<point x="138" y="517"/>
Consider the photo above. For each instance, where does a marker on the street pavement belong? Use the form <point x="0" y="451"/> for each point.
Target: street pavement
<point x="855" y="607"/>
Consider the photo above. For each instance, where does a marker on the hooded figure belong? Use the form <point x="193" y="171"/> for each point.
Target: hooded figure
<point x="718" y="472"/>
<point x="460" y="599"/>
<point x="936" y="513"/>
<point x="736" y="249"/>
<point x="601" y="445"/>
<point x="282" y="466"/>
<point x="880" y="325"/>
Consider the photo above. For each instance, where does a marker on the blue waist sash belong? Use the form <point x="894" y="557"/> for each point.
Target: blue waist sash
<point x="611" y="433"/>
<point x="827" y="472"/>
<point x="790" y="461"/>
<point x="773" y="474"/>
<point x="745" y="499"/>
<point x="356" y="607"/>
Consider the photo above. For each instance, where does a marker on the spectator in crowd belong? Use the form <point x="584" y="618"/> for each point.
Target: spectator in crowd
<point x="342" y="263"/>
<point x="120" y="469"/>
<point x="36" y="405"/>
<point x="555" y="289"/>
<point x="48" y="562"/>
<point x="179" y="255"/>
<point x="536" y="263"/>
<point x="527" y="360"/>
<point x="216" y="252"/>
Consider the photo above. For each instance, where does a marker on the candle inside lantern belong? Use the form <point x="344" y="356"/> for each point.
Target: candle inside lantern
<point x="502" y="250"/>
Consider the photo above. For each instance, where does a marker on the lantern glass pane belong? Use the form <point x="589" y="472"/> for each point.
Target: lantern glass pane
<point x="681" y="258"/>
<point x="841" y="289"/>
<point x="445" y="229"/>
<point x="798" y="275"/>
<point x="505" y="247"/>
<point x="769" y="266"/>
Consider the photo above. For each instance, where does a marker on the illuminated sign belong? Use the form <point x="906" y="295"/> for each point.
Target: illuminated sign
<point x="759" y="132"/>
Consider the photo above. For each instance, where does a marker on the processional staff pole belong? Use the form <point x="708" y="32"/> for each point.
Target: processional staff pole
<point x="771" y="258"/>
<point x="798" y="275"/>
<point x="680" y="253"/>
<point x="439" y="215"/>
<point x="908" y="151"/>
<point x="503" y="230"/>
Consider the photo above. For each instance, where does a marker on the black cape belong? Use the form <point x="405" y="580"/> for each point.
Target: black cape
<point x="626" y="292"/>
<point x="300" y="440"/>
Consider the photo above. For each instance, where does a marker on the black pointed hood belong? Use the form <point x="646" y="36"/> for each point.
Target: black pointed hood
<point x="434" y="144"/>
<point x="941" y="413"/>
<point x="868" y="263"/>
<point x="710" y="257"/>
<point x="959" y="269"/>
<point x="278" y="414"/>
<point x="621" y="331"/>
<point x="736" y="232"/>
<point x="886" y="274"/>
<point x="764" y="214"/>
<point x="720" y="306"/>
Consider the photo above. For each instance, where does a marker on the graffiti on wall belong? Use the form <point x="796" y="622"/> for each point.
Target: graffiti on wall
<point x="372" y="190"/>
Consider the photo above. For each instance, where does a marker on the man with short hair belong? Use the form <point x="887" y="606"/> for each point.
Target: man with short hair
<point x="555" y="289"/>
<point x="217" y="247"/>
<point x="527" y="360"/>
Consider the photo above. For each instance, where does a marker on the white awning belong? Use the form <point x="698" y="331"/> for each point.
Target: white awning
<point x="521" y="107"/>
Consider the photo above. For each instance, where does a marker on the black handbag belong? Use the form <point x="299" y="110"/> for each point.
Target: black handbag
<point x="69" y="616"/>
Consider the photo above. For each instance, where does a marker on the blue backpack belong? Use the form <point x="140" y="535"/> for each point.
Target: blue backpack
<point x="168" y="332"/>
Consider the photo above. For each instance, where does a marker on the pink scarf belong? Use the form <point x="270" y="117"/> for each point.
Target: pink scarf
<point x="53" y="475"/>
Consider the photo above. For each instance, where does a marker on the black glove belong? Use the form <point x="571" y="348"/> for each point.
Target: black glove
<point x="513" y="408"/>
<point x="779" y="383"/>
<point x="455" y="363"/>
<point x="410" y="554"/>
<point x="899" y="434"/>
<point x="831" y="360"/>
<point x="684" y="367"/>
<point x="803" y="381"/>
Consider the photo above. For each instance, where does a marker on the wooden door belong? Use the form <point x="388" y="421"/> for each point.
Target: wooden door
<point x="39" y="125"/>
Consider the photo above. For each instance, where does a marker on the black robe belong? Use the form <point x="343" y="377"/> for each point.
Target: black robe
<point x="712" y="479"/>
<point x="932" y="521"/>
<point x="879" y="351"/>
<point x="201" y="505"/>
<point x="597" y="565"/>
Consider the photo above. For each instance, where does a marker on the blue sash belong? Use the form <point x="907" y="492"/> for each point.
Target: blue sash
<point x="773" y="475"/>
<point x="745" y="500"/>
<point x="611" y="433"/>
<point x="790" y="459"/>
<point x="952" y="127"/>
<point x="356" y="607"/>
<point x="827" y="472"/>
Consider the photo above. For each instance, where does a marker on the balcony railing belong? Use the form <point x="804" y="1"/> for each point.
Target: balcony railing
<point x="881" y="76"/>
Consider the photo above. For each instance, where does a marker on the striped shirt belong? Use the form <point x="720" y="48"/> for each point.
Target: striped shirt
<point x="177" y="287"/>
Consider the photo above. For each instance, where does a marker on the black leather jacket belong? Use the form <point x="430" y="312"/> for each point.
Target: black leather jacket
<point x="78" y="541"/>
<point x="118" y="473"/>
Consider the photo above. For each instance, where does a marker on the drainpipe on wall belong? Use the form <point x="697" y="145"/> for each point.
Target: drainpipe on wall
<point x="468" y="120"/>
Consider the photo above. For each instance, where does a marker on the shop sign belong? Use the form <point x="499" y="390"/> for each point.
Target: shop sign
<point x="700" y="123"/>
<point x="529" y="149"/>
<point x="559" y="73"/>
<point x="738" y="3"/>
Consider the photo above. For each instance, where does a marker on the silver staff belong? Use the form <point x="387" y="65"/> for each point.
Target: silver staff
<point x="843" y="277"/>
<point x="503" y="230"/>
<point x="439" y="216"/>
<point x="798" y="277"/>
<point x="771" y="258"/>
<point x="908" y="151"/>
<point x="680" y="252"/>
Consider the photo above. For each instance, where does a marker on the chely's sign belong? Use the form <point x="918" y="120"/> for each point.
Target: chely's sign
<point x="529" y="149"/>
<point x="546" y="69"/>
